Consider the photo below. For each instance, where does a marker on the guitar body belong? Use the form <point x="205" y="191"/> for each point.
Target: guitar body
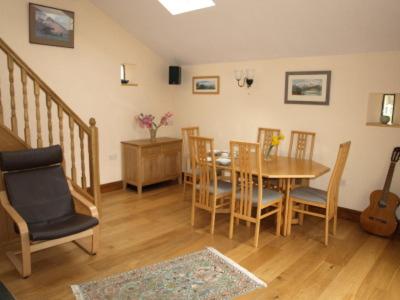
<point x="380" y="220"/>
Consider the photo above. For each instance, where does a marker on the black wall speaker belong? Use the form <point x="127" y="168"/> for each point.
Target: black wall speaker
<point x="174" y="75"/>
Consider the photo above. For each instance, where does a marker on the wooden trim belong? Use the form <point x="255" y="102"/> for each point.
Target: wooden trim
<point x="111" y="187"/>
<point x="349" y="214"/>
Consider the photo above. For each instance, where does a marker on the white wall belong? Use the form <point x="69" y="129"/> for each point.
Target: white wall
<point x="237" y="112"/>
<point x="87" y="77"/>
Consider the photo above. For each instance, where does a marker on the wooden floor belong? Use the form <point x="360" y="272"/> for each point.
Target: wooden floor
<point x="137" y="232"/>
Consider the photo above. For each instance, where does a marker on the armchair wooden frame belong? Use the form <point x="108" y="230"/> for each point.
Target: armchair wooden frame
<point x="186" y="164"/>
<point x="205" y="194"/>
<point x="23" y="264"/>
<point x="242" y="196"/>
<point x="331" y="204"/>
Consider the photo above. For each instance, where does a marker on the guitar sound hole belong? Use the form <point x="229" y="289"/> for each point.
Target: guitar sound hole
<point x="377" y="220"/>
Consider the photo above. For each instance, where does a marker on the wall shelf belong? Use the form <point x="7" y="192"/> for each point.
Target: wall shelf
<point x="129" y="84"/>
<point x="377" y="124"/>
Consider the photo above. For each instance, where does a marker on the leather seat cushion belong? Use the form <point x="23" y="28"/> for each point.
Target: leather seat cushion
<point x="61" y="227"/>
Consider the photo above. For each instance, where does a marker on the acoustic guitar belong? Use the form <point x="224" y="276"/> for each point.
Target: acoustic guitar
<point x="380" y="218"/>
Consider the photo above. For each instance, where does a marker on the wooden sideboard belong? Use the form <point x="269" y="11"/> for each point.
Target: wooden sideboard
<point x="145" y="162"/>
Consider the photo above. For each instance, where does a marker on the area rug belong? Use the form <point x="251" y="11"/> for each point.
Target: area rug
<point x="206" y="274"/>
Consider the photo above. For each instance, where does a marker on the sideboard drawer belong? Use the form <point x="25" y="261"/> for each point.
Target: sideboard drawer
<point x="150" y="151"/>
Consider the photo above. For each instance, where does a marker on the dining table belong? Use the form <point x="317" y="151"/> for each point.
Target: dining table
<point x="286" y="169"/>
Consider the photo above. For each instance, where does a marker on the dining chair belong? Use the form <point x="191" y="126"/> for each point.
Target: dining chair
<point x="209" y="193"/>
<point x="264" y="138"/>
<point x="247" y="194"/>
<point x="326" y="200"/>
<point x="301" y="144"/>
<point x="186" y="161"/>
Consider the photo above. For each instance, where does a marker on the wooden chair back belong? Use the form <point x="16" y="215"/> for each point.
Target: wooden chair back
<point x="264" y="138"/>
<point x="204" y="168"/>
<point x="186" y="132"/>
<point x="301" y="144"/>
<point x="246" y="165"/>
<point x="334" y="182"/>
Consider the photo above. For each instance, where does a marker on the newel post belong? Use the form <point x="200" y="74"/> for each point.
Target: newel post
<point x="94" y="163"/>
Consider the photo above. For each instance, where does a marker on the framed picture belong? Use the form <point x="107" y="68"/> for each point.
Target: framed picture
<point x="205" y="85"/>
<point x="311" y="87"/>
<point x="51" y="26"/>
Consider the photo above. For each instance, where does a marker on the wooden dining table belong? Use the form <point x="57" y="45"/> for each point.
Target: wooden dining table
<point x="288" y="169"/>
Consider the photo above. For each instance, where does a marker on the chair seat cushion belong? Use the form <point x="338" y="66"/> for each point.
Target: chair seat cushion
<point x="268" y="196"/>
<point x="223" y="187"/>
<point x="309" y="194"/>
<point x="61" y="227"/>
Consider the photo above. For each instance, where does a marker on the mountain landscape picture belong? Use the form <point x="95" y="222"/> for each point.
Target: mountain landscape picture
<point x="51" y="26"/>
<point x="307" y="87"/>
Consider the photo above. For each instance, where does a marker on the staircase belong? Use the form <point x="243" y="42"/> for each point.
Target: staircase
<point x="53" y="122"/>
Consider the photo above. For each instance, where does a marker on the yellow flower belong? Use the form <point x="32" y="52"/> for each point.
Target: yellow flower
<point x="275" y="141"/>
<point x="281" y="137"/>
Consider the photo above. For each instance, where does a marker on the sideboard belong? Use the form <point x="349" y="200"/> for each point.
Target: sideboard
<point x="146" y="161"/>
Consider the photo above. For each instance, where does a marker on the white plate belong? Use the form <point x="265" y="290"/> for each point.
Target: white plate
<point x="223" y="161"/>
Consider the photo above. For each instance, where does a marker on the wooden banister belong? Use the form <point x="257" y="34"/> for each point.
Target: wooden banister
<point x="87" y="134"/>
<point x="32" y="75"/>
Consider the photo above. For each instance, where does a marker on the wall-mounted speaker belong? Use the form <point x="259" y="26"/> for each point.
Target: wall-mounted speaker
<point x="174" y="75"/>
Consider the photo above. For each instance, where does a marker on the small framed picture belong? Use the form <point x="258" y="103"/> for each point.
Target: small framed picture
<point x="51" y="26"/>
<point x="205" y="85"/>
<point x="310" y="87"/>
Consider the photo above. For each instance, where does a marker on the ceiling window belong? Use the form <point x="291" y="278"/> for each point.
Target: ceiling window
<point x="176" y="7"/>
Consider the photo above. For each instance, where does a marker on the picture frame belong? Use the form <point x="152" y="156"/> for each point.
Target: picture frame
<point x="308" y="87"/>
<point x="205" y="85"/>
<point x="51" y="26"/>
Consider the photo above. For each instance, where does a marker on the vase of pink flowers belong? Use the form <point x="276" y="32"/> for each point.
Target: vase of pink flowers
<point x="148" y="122"/>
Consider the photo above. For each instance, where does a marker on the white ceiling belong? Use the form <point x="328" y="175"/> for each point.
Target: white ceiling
<point x="260" y="29"/>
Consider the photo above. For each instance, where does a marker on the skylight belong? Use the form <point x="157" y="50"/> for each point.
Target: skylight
<point x="176" y="7"/>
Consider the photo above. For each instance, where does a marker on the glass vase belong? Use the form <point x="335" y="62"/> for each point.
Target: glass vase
<point x="153" y="134"/>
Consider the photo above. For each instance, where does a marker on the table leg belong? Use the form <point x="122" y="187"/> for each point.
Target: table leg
<point x="286" y="216"/>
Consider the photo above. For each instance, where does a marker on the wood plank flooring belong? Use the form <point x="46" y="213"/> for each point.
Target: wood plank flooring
<point x="137" y="232"/>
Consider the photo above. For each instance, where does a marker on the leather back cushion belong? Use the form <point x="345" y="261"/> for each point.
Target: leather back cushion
<point x="30" y="159"/>
<point x="39" y="195"/>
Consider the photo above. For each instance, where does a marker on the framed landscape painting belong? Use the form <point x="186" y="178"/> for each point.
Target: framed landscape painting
<point x="51" y="26"/>
<point x="311" y="87"/>
<point x="205" y="85"/>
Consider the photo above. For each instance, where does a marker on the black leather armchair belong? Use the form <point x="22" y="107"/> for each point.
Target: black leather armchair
<point x="41" y="202"/>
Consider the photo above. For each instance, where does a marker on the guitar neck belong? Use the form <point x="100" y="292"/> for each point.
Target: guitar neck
<point x="388" y="180"/>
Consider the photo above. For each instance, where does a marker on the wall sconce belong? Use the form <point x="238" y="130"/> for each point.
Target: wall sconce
<point x="244" y="77"/>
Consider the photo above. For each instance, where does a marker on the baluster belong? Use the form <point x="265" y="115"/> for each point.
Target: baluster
<point x="93" y="145"/>
<point x="1" y="108"/>
<point x="49" y="120"/>
<point x="81" y="137"/>
<point x="61" y="129"/>
<point x="27" y="130"/>
<point x="38" y="125"/>
<point x="14" y="125"/>
<point x="71" y="132"/>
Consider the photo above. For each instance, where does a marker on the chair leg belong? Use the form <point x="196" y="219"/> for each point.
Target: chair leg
<point x="213" y="213"/>
<point x="334" y="223"/>
<point x="95" y="240"/>
<point x="301" y="215"/>
<point x="232" y="218"/>
<point x="257" y="233"/>
<point x="26" y="256"/>
<point x="279" y="219"/>
<point x="193" y="206"/>
<point x="290" y="216"/>
<point x="326" y="230"/>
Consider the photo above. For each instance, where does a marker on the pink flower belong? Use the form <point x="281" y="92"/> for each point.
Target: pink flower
<point x="147" y="121"/>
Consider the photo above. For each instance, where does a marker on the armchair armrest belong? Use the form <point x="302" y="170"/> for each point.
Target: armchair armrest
<point x="15" y="216"/>
<point x="84" y="201"/>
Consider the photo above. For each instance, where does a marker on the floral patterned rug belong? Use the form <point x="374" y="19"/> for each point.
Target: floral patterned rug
<point x="206" y="274"/>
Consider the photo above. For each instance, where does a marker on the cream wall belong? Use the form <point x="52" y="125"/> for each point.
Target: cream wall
<point x="237" y="112"/>
<point x="87" y="77"/>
